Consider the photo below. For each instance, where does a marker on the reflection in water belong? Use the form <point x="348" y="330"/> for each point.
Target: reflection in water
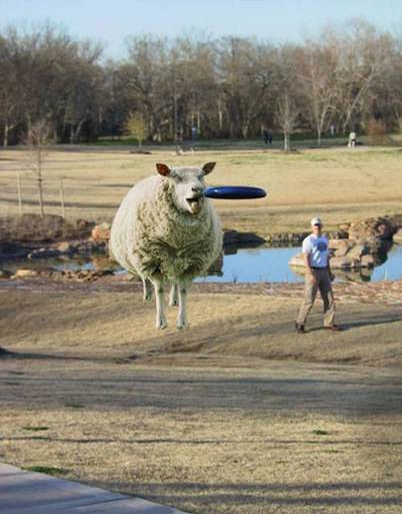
<point x="269" y="264"/>
<point x="258" y="264"/>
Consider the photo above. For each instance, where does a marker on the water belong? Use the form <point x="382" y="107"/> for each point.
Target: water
<point x="257" y="265"/>
<point x="271" y="265"/>
<point x="244" y="265"/>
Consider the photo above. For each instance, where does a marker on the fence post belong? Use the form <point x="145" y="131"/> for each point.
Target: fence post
<point x="63" y="214"/>
<point x="19" y="192"/>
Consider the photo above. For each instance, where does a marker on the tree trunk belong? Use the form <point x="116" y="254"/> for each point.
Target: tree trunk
<point x="318" y="135"/>
<point x="5" y="138"/>
<point x="41" y="207"/>
<point x="286" y="141"/>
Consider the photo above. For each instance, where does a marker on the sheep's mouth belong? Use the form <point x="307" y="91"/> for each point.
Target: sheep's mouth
<point x="195" y="203"/>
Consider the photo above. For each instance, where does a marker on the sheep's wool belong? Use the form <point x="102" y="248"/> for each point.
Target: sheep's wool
<point x="151" y="235"/>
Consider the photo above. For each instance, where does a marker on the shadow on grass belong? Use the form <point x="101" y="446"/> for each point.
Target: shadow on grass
<point x="246" y="496"/>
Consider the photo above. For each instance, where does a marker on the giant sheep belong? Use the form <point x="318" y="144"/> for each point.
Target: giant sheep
<point x="166" y="231"/>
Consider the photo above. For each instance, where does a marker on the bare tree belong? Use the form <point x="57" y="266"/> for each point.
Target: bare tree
<point x="37" y="139"/>
<point x="317" y="70"/>
<point x="288" y="109"/>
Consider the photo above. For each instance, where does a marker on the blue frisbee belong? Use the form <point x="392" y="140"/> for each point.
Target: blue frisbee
<point x="234" y="192"/>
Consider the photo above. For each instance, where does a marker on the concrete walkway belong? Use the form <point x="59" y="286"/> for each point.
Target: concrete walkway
<point x="27" y="492"/>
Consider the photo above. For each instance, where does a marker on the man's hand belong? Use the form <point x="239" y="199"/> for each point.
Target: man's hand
<point x="311" y="277"/>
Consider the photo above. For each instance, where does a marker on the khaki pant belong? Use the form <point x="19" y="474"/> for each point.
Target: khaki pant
<point x="322" y="283"/>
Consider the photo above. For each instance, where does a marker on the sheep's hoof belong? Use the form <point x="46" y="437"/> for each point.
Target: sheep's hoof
<point x="161" y="324"/>
<point x="182" y="326"/>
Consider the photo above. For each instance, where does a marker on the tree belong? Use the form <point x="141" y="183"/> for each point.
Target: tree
<point x="317" y="69"/>
<point x="38" y="138"/>
<point x="288" y="109"/>
<point x="135" y="127"/>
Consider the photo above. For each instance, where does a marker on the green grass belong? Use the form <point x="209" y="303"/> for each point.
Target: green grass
<point x="320" y="432"/>
<point x="47" y="470"/>
<point x="35" y="428"/>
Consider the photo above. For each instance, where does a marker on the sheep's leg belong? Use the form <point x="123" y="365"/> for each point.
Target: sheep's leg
<point x="147" y="287"/>
<point x="160" y="307"/>
<point x="182" y="315"/>
<point x="173" y="296"/>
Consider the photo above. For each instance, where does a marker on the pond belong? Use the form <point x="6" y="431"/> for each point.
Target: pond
<point x="269" y="264"/>
<point x="260" y="264"/>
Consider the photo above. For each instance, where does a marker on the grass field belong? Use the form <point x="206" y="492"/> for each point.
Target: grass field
<point x="338" y="184"/>
<point x="238" y="415"/>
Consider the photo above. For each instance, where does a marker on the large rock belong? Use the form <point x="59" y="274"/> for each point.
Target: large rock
<point x="25" y="273"/>
<point x="398" y="236"/>
<point x="372" y="228"/>
<point x="340" y="247"/>
<point x="101" y="233"/>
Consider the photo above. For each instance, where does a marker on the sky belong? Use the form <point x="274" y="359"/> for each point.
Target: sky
<point x="279" y="21"/>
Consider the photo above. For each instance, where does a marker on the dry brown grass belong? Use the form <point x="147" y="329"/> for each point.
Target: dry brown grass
<point x="337" y="183"/>
<point x="205" y="420"/>
<point x="238" y="415"/>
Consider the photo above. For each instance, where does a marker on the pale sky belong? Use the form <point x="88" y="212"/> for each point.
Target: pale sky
<point x="111" y="21"/>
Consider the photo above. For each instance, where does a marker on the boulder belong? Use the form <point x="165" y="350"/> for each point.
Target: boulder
<point x="398" y="236"/>
<point x="101" y="233"/>
<point x="297" y="261"/>
<point x="25" y="273"/>
<point x="372" y="228"/>
<point x="357" y="251"/>
<point x="65" y="247"/>
<point x="340" y="247"/>
<point x="367" y="261"/>
<point x="344" y="262"/>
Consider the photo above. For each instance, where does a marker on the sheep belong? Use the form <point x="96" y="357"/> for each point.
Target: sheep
<point x="166" y="231"/>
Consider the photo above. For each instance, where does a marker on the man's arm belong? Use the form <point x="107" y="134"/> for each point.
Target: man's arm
<point x="309" y="271"/>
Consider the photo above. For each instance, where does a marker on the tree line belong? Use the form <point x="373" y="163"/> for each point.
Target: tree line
<point x="348" y="78"/>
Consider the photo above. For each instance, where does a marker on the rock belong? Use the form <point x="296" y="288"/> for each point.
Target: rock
<point x="367" y="261"/>
<point x="357" y="251"/>
<point x="4" y="274"/>
<point x="297" y="260"/>
<point x="377" y="228"/>
<point x="25" y="273"/>
<point x="101" y="233"/>
<point x="65" y="247"/>
<point x="344" y="227"/>
<point x="398" y="236"/>
<point x="344" y="263"/>
<point x="340" y="247"/>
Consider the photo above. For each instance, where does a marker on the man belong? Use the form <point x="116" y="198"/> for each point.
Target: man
<point x="318" y="277"/>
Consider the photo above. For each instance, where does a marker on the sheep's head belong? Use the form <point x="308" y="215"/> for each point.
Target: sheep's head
<point x="188" y="185"/>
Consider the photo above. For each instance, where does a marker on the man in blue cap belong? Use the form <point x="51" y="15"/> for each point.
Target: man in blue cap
<point x="318" y="277"/>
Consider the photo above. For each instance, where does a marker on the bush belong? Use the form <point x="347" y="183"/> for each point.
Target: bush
<point x="32" y="228"/>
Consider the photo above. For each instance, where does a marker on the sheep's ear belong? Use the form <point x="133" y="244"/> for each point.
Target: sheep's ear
<point x="208" y="167"/>
<point x="163" y="169"/>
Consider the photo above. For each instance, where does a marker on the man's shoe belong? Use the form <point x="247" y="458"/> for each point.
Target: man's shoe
<point x="300" y="328"/>
<point x="334" y="328"/>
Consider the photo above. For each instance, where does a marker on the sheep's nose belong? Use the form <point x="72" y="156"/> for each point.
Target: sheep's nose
<point x="197" y="189"/>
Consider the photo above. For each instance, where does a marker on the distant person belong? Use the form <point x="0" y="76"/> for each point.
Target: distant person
<point x="267" y="133"/>
<point x="194" y="134"/>
<point x="332" y="129"/>
<point x="318" y="277"/>
<point x="270" y="136"/>
<point x="352" y="139"/>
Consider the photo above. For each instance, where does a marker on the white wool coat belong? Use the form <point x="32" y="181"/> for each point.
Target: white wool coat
<point x="150" y="235"/>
